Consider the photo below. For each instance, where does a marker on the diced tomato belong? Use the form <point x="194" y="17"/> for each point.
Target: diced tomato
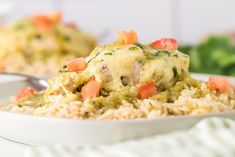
<point x="91" y="89"/>
<point x="76" y="64"/>
<point x="165" y="43"/>
<point x="55" y="16"/>
<point x="147" y="90"/>
<point x="219" y="84"/>
<point x="128" y="37"/>
<point x="28" y="91"/>
<point x="42" y="22"/>
<point x="2" y="68"/>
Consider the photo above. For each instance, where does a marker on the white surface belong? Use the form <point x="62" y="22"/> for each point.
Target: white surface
<point x="6" y="8"/>
<point x="36" y="130"/>
<point x="11" y="149"/>
<point x="150" y="19"/>
<point x="201" y="17"/>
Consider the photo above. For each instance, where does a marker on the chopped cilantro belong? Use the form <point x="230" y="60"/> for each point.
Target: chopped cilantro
<point x="161" y="53"/>
<point x="20" y="26"/>
<point x="133" y="48"/>
<point x="67" y="38"/>
<point x="108" y="53"/>
<point x="38" y="36"/>
<point x="64" y="69"/>
<point x="140" y="45"/>
<point x="174" y="71"/>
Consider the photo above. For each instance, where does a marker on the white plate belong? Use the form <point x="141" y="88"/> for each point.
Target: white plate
<point x="42" y="130"/>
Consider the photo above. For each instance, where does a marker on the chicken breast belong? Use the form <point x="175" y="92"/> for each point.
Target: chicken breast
<point x="133" y="64"/>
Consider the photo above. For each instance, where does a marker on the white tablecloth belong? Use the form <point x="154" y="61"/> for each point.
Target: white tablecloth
<point x="11" y="149"/>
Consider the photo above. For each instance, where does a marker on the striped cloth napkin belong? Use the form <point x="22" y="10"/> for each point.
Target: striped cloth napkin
<point x="212" y="137"/>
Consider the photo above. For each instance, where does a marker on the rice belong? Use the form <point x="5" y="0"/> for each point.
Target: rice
<point x="27" y="49"/>
<point x="186" y="104"/>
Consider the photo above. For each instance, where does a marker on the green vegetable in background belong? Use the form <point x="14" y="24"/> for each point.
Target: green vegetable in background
<point x="215" y="55"/>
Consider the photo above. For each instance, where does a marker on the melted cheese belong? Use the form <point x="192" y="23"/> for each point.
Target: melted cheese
<point x="165" y="69"/>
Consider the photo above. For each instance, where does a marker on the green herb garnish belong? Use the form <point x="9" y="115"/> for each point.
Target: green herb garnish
<point x="133" y="48"/>
<point x="140" y="45"/>
<point x="20" y="26"/>
<point x="38" y="36"/>
<point x="67" y="38"/>
<point x="174" y="71"/>
<point x="161" y="53"/>
<point x="108" y="53"/>
<point x="64" y="69"/>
